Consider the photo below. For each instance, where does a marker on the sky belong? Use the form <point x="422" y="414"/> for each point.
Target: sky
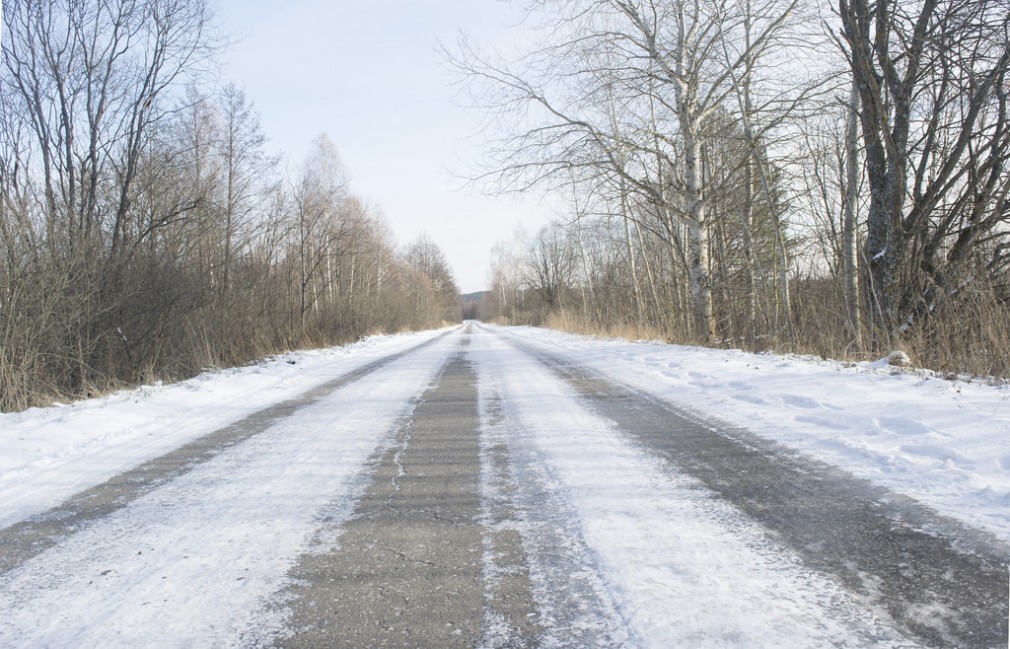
<point x="370" y="76"/>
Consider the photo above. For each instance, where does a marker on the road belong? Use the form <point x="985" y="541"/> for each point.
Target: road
<point x="478" y="490"/>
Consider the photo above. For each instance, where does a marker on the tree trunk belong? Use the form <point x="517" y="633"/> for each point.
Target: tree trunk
<point x="698" y="235"/>
<point x="850" y="260"/>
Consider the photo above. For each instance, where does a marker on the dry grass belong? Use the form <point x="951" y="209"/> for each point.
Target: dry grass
<point x="575" y="323"/>
<point x="77" y="331"/>
<point x="968" y="334"/>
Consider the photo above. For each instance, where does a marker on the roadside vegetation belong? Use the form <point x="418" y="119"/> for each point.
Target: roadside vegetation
<point x="146" y="233"/>
<point x="798" y="175"/>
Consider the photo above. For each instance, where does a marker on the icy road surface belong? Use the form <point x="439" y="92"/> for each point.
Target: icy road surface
<point x="475" y="487"/>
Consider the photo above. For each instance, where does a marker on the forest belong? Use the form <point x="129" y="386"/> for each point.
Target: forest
<point x="145" y="231"/>
<point x="825" y="178"/>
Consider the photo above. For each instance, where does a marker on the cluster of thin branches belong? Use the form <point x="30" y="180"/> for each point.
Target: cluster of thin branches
<point x="146" y="234"/>
<point x="763" y="173"/>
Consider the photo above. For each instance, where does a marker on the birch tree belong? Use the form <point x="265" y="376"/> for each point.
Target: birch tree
<point x="320" y="189"/>
<point x="244" y="164"/>
<point x="850" y="249"/>
<point x="666" y="67"/>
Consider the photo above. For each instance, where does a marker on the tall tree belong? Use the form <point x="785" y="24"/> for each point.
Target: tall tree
<point x="244" y="164"/>
<point x="667" y="67"/>
<point x="932" y="83"/>
<point x="92" y="77"/>
<point x="321" y="189"/>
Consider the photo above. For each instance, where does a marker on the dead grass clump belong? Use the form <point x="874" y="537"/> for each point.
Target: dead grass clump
<point x="573" y="322"/>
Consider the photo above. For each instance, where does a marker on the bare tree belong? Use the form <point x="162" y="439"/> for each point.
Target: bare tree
<point x="434" y="278"/>
<point x="850" y="249"/>
<point x="549" y="266"/>
<point x="932" y="83"/>
<point x="92" y="77"/>
<point x="630" y="90"/>
<point x="144" y="234"/>
<point x="322" y="187"/>
<point x="244" y="163"/>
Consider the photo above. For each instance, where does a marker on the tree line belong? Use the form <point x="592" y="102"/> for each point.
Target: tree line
<point x="145" y="231"/>
<point x="785" y="174"/>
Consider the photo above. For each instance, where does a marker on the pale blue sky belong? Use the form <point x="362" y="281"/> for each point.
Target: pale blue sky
<point x="368" y="74"/>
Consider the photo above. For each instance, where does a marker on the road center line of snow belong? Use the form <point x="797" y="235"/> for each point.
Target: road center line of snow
<point x="28" y="538"/>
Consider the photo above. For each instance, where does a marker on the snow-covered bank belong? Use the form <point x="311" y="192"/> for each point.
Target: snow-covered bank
<point x="944" y="443"/>
<point x="47" y="454"/>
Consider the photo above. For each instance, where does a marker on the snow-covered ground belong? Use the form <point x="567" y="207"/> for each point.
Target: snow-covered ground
<point x="619" y="544"/>
<point x="680" y="567"/>
<point x="47" y="454"/>
<point x="944" y="443"/>
<point x="193" y="563"/>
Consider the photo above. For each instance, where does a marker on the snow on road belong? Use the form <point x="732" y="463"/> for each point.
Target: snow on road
<point x="944" y="443"/>
<point x="619" y="545"/>
<point x="47" y="454"/>
<point x="682" y="568"/>
<point x="191" y="563"/>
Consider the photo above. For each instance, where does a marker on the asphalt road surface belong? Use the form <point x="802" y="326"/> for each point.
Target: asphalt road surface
<point x="432" y="499"/>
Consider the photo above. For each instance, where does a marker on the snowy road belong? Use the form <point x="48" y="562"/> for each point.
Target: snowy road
<point x="457" y="489"/>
